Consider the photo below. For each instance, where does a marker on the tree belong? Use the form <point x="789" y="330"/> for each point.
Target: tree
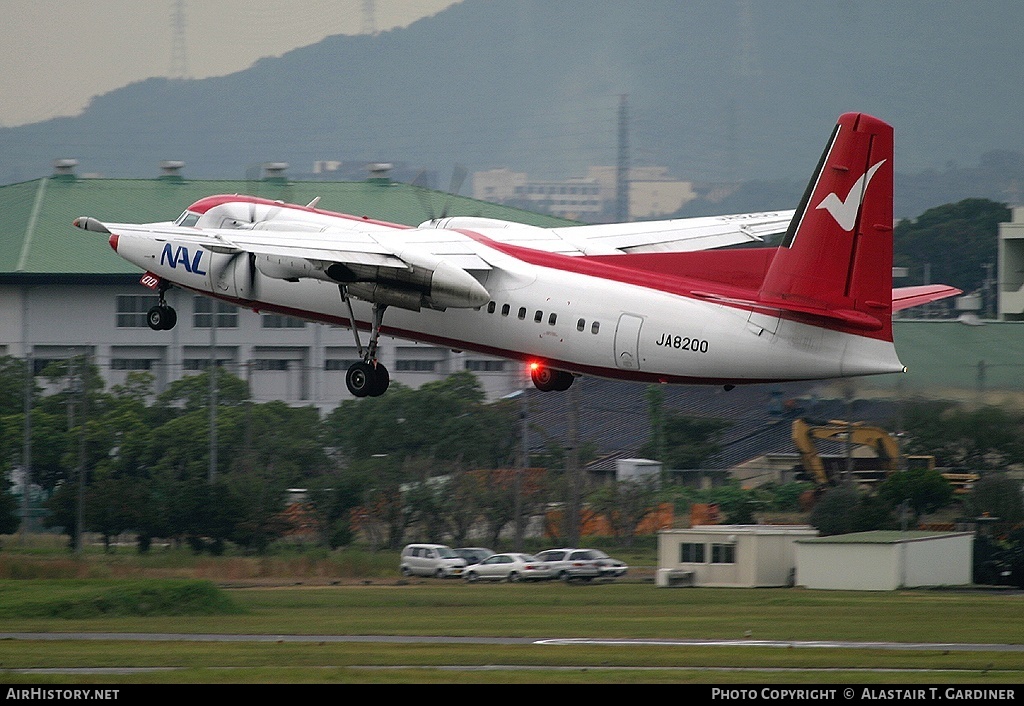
<point x="445" y="420"/>
<point x="192" y="392"/>
<point x="626" y="504"/>
<point x="987" y="437"/>
<point x="9" y="507"/>
<point x="689" y="441"/>
<point x="924" y="489"/>
<point x="997" y="495"/>
<point x="955" y="240"/>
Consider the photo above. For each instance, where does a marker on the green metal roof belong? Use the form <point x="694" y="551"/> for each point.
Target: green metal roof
<point x="878" y="537"/>
<point x="37" y="238"/>
<point x="949" y="355"/>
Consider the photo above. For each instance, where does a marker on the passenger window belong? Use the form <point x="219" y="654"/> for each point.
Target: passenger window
<point x="538" y="316"/>
<point x="595" y="328"/>
<point x="552" y="319"/>
<point x="504" y="309"/>
<point x="490" y="307"/>
<point x="522" y="313"/>
<point x="580" y="325"/>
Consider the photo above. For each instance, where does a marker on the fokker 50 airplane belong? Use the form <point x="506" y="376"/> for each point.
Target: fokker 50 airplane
<point x="665" y="301"/>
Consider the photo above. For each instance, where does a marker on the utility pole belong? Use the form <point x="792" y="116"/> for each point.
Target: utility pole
<point x="571" y="520"/>
<point x="26" y="450"/>
<point x="524" y="464"/>
<point x="212" y="473"/>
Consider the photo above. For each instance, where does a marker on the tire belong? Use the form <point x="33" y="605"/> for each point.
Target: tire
<point x="514" y="577"/>
<point x="547" y="379"/>
<point x="564" y="577"/>
<point x="406" y="572"/>
<point x="161" y="318"/>
<point x="471" y="577"/>
<point x="439" y="574"/>
<point x="381" y="381"/>
<point x="360" y="379"/>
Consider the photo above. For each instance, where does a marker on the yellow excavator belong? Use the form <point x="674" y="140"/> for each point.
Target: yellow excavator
<point x="887" y="458"/>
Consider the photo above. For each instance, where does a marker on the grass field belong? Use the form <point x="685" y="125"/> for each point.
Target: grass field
<point x="382" y="604"/>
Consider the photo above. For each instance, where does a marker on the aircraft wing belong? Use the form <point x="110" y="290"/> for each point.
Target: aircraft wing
<point x="400" y="267"/>
<point x="906" y="297"/>
<point x="676" y="235"/>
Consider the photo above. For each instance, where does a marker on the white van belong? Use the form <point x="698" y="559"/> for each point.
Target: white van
<point x="436" y="560"/>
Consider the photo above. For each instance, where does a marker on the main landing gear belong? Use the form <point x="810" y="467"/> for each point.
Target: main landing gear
<point x="547" y="379"/>
<point x="368" y="377"/>
<point x="162" y="317"/>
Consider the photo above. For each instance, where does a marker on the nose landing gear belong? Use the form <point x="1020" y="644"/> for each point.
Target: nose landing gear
<point x="162" y="317"/>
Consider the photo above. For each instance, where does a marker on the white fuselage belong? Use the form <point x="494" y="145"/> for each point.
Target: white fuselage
<point x="567" y="320"/>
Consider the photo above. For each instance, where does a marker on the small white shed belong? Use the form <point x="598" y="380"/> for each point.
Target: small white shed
<point x="729" y="555"/>
<point x="884" y="561"/>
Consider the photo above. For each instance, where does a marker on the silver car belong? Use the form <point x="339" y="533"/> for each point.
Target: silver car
<point x="610" y="568"/>
<point x="568" y="564"/>
<point x="474" y="555"/>
<point x="436" y="560"/>
<point x="510" y="567"/>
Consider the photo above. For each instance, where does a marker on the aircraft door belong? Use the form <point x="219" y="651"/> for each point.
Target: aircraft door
<point x="627" y="342"/>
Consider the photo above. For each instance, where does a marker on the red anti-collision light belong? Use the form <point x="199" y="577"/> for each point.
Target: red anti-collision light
<point x="113" y="241"/>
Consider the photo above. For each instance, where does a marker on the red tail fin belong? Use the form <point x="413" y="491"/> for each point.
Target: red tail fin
<point x="836" y="259"/>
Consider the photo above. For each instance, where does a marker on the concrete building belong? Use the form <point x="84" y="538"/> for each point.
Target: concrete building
<point x="652" y="193"/>
<point x="63" y="292"/>
<point x="730" y="555"/>
<point x="1010" y="275"/>
<point x="884" y="561"/>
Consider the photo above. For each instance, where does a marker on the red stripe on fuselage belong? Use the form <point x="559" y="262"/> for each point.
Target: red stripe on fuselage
<point x="725" y="277"/>
<point x="205" y="204"/>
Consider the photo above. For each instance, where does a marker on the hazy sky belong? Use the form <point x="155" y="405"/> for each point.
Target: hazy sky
<point x="57" y="54"/>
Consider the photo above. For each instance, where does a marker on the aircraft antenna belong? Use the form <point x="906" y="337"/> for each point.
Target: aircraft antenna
<point x="622" y="168"/>
<point x="179" y="58"/>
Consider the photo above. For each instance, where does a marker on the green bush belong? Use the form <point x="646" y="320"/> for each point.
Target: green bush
<point x="93" y="599"/>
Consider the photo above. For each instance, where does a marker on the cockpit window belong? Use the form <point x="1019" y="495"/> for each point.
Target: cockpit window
<point x="187" y="219"/>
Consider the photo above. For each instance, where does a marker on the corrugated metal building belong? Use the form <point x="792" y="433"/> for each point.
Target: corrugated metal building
<point x="64" y="292"/>
<point x="884" y="561"/>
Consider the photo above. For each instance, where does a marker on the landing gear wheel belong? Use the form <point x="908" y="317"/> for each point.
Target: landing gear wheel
<point x="381" y="380"/>
<point x="547" y="379"/>
<point x="360" y="379"/>
<point x="161" y="318"/>
<point x="367" y="380"/>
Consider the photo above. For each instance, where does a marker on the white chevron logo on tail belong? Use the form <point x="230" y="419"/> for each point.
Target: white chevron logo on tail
<point x="845" y="211"/>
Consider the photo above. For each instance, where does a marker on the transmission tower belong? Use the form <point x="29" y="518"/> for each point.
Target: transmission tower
<point x="369" y="17"/>
<point x="179" y="59"/>
<point x="622" y="168"/>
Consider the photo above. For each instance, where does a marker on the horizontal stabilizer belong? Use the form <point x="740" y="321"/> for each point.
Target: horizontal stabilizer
<point x="906" y="297"/>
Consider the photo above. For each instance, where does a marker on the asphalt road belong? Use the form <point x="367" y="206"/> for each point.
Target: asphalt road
<point x="420" y="639"/>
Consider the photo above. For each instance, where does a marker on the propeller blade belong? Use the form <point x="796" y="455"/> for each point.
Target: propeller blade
<point x="454" y="186"/>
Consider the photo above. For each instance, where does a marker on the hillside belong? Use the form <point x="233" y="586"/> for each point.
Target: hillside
<point x="717" y="91"/>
